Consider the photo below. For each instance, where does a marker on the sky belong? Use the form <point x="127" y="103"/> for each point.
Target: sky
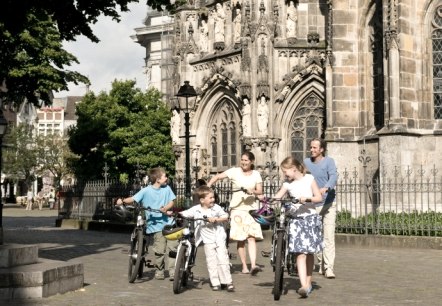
<point x="116" y="56"/>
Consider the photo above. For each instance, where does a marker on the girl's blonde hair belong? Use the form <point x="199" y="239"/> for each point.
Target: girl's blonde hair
<point x="291" y="162"/>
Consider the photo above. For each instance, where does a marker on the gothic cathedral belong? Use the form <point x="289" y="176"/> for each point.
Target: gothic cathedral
<point x="271" y="75"/>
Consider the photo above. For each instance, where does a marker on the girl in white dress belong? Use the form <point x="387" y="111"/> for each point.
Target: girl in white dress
<point x="305" y="226"/>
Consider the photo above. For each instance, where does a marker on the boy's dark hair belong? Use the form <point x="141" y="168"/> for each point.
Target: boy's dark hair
<point x="155" y="174"/>
<point x="200" y="182"/>
<point x="203" y="191"/>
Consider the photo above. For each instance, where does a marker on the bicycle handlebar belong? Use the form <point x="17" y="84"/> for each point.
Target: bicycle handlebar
<point x="288" y="200"/>
<point x="140" y="207"/>
<point x="204" y="218"/>
<point x="230" y="190"/>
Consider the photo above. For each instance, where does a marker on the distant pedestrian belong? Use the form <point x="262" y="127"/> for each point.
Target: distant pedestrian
<point x="51" y="198"/>
<point x="29" y="200"/>
<point x="40" y="199"/>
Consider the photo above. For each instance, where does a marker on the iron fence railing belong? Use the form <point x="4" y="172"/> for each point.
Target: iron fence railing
<point x="396" y="203"/>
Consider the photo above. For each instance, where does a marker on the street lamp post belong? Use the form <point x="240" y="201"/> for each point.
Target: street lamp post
<point x="187" y="91"/>
<point x="3" y="128"/>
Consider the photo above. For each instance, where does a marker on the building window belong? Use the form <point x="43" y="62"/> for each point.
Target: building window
<point x="437" y="62"/>
<point x="377" y="53"/>
<point x="233" y="144"/>
<point x="308" y="123"/>
<point x="214" y="152"/>
<point x="225" y="150"/>
<point x="224" y="146"/>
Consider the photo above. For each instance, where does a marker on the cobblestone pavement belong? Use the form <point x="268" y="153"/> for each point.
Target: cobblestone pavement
<point x="364" y="276"/>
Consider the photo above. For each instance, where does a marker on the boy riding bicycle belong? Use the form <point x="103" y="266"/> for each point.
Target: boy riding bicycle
<point x="213" y="234"/>
<point x="158" y="196"/>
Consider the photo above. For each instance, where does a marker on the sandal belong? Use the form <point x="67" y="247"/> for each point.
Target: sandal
<point x="230" y="288"/>
<point x="255" y="271"/>
<point x="265" y="254"/>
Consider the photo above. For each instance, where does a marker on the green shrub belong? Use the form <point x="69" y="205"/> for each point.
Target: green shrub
<point x="390" y="223"/>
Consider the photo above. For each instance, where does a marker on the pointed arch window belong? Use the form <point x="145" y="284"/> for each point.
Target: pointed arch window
<point x="233" y="143"/>
<point x="225" y="142"/>
<point x="214" y="149"/>
<point x="308" y="123"/>
<point x="437" y="62"/>
<point x="225" y="146"/>
<point x="377" y="53"/>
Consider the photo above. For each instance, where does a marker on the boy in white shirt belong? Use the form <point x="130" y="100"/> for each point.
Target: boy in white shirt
<point x="213" y="234"/>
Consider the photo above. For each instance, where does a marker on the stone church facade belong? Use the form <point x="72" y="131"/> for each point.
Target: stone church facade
<point x="270" y="75"/>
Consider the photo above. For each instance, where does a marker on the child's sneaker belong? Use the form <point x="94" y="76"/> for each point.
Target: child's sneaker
<point x="329" y="273"/>
<point x="216" y="288"/>
<point x="230" y="288"/>
<point x="159" y="275"/>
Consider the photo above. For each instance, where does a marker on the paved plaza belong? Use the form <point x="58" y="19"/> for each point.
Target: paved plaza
<point x="365" y="276"/>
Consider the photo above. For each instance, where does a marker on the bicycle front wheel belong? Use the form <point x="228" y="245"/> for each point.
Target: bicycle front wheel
<point x="180" y="278"/>
<point x="135" y="255"/>
<point x="279" y="266"/>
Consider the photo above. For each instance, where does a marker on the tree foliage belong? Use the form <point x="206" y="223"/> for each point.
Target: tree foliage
<point x="33" y="62"/>
<point x="20" y="159"/>
<point x="28" y="155"/>
<point x="125" y="129"/>
<point x="55" y="156"/>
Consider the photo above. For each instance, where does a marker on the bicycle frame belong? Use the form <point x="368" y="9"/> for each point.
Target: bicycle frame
<point x="139" y="242"/>
<point x="186" y="241"/>
<point x="279" y="256"/>
<point x="185" y="257"/>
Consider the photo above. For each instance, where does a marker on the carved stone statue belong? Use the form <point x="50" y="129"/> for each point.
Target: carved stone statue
<point x="175" y="123"/>
<point x="219" y="18"/>
<point x="204" y="36"/>
<point x="246" y="118"/>
<point x="237" y="27"/>
<point x="263" y="116"/>
<point x="292" y="20"/>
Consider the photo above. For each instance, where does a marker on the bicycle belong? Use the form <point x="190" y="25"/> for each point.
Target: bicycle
<point x="280" y="258"/>
<point x="139" y="242"/>
<point x="185" y="255"/>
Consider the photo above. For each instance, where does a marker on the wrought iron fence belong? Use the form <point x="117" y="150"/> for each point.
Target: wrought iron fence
<point x="395" y="202"/>
<point x="398" y="202"/>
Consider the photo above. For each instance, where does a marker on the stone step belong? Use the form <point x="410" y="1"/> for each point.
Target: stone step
<point x="41" y="279"/>
<point x="12" y="255"/>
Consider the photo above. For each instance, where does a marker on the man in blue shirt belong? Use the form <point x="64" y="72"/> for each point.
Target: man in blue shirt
<point x="323" y="169"/>
<point x="158" y="195"/>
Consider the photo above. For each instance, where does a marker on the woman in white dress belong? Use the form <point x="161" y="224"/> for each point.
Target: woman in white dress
<point x="242" y="225"/>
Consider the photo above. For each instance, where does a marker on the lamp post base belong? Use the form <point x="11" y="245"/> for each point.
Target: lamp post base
<point x="188" y="203"/>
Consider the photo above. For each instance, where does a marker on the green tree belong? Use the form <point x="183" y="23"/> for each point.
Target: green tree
<point x="55" y="156"/>
<point x="124" y="128"/>
<point x="32" y="60"/>
<point x="34" y="65"/>
<point x="20" y="160"/>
